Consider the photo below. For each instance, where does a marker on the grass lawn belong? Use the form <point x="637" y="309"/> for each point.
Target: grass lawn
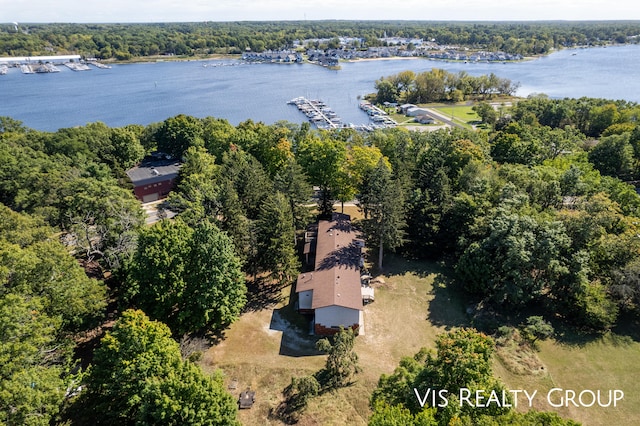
<point x="414" y="303"/>
<point x="461" y="113"/>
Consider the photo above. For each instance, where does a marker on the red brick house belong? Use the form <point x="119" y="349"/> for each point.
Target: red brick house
<point x="154" y="178"/>
<point x="332" y="292"/>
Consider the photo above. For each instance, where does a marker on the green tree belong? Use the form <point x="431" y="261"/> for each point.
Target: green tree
<point x="45" y="269"/>
<point x="215" y="291"/>
<point x="613" y="156"/>
<point x="383" y="203"/>
<point x="397" y="389"/>
<point x="386" y="91"/>
<point x="187" y="397"/>
<point x="517" y="262"/>
<point x="462" y="361"/>
<point x="486" y="112"/>
<point x="342" y="360"/>
<point x="196" y="196"/>
<point x="32" y="362"/>
<point x="322" y="160"/>
<point x="250" y="182"/>
<point x="293" y="182"/>
<point x="233" y="220"/>
<point x="602" y="117"/>
<point x="100" y="218"/>
<point x="404" y="81"/>
<point x="138" y="377"/>
<point x="8" y="124"/>
<point x="276" y="239"/>
<point x="537" y="328"/>
<point x="126" y="150"/>
<point x="300" y="391"/>
<point x="178" y="133"/>
<point x="397" y="415"/>
<point x="191" y="278"/>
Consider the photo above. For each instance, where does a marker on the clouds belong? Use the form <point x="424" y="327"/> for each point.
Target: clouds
<point x="236" y="10"/>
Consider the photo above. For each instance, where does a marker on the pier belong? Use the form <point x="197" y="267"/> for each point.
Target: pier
<point x="77" y="66"/>
<point x="318" y="113"/>
<point x="378" y="116"/>
<point x="323" y="117"/>
<point x="47" y="64"/>
<point x="30" y="60"/>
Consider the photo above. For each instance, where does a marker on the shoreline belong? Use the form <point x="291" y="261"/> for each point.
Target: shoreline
<point x="238" y="57"/>
<point x="169" y="58"/>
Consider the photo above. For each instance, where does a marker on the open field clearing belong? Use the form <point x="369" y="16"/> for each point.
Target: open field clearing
<point x="269" y="345"/>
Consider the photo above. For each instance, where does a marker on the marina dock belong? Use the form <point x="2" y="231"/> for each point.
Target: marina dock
<point x="318" y="113"/>
<point x="378" y="116"/>
<point x="325" y="118"/>
<point x="47" y="64"/>
<point x="77" y="66"/>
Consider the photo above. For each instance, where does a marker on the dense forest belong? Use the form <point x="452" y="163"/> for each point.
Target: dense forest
<point x="539" y="210"/>
<point x="126" y="41"/>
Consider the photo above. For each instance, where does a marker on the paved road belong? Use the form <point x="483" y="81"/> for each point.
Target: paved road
<point x="151" y="211"/>
<point x="437" y="115"/>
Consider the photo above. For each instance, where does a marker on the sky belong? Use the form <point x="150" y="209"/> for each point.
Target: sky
<point x="85" y="11"/>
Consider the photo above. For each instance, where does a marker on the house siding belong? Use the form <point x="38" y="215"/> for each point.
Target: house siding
<point x="304" y="301"/>
<point x="329" y="320"/>
<point x="159" y="189"/>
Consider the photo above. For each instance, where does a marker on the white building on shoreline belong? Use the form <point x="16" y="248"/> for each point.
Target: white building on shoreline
<point x="55" y="59"/>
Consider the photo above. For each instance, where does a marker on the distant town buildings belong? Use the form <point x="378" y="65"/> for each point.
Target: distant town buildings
<point x="316" y="51"/>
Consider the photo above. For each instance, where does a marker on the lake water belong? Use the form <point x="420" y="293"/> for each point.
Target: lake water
<point x="152" y="92"/>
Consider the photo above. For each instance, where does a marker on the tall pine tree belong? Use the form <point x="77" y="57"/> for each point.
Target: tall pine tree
<point x="382" y="199"/>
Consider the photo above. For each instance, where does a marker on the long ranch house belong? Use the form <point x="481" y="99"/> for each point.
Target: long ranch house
<point x="334" y="292"/>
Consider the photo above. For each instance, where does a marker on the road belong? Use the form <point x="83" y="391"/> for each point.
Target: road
<point x="437" y="115"/>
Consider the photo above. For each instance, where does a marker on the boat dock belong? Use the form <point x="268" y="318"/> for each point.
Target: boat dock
<point x="378" y="116"/>
<point x="317" y="112"/>
<point x="26" y="69"/>
<point x="45" y="68"/>
<point x="99" y="65"/>
<point x="77" y="66"/>
<point x="47" y="64"/>
<point x="323" y="117"/>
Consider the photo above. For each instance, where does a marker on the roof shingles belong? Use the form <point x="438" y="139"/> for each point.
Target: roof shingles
<point x="336" y="278"/>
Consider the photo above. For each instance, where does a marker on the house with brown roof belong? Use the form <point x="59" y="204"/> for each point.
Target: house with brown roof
<point x="333" y="291"/>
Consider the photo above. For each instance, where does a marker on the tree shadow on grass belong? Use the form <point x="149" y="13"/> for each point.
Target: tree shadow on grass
<point x="262" y="294"/>
<point x="628" y="326"/>
<point x="396" y="264"/>
<point x="626" y="331"/>
<point x="448" y="306"/>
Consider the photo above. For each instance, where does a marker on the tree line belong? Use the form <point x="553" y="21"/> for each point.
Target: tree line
<point x="126" y="41"/>
<point x="438" y="85"/>
<point x="534" y="211"/>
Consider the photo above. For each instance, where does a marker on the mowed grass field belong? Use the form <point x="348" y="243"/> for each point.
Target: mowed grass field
<point x="414" y="303"/>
